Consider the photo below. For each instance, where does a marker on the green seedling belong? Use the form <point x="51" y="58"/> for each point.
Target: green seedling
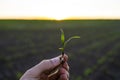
<point x="64" y="41"/>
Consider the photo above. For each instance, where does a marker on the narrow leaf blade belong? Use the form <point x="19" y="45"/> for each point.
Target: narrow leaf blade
<point x="62" y="36"/>
<point x="61" y="49"/>
<point x="73" y="37"/>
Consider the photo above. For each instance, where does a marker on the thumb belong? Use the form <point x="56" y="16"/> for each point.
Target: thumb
<point x="48" y="64"/>
<point x="44" y="65"/>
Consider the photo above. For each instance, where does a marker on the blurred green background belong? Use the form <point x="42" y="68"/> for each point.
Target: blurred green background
<point x="95" y="56"/>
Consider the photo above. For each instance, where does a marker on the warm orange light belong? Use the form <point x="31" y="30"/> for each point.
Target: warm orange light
<point x="57" y="17"/>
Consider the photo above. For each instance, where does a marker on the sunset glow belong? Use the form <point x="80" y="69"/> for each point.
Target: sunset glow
<point x="59" y="9"/>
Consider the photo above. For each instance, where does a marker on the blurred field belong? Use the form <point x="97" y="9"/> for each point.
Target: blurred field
<point x="95" y="56"/>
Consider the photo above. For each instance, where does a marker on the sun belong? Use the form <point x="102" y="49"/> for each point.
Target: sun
<point x="58" y="17"/>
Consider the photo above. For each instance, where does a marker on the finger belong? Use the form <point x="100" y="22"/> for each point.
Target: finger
<point x="65" y="65"/>
<point x="59" y="73"/>
<point x="54" y="63"/>
<point x="65" y="57"/>
<point x="54" y="76"/>
<point x="64" y="75"/>
<point x="54" y="67"/>
<point x="62" y="70"/>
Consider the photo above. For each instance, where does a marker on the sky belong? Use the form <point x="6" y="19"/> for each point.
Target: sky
<point x="60" y="9"/>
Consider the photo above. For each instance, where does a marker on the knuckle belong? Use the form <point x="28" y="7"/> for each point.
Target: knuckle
<point x="46" y="64"/>
<point x="29" y="71"/>
<point x="44" y="61"/>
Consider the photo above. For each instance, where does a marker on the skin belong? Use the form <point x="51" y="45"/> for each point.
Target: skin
<point x="50" y="69"/>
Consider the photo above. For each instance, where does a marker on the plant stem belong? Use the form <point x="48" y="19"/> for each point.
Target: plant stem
<point x="62" y="53"/>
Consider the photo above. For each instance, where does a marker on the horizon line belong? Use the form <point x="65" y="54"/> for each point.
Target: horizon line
<point x="67" y="18"/>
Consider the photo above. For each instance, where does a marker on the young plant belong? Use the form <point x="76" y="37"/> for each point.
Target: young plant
<point x="64" y="41"/>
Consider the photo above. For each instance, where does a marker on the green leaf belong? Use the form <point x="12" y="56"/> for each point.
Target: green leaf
<point x="73" y="37"/>
<point x="62" y="36"/>
<point x="65" y="42"/>
<point x="61" y="49"/>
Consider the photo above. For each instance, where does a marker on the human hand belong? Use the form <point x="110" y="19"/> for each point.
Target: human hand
<point x="50" y="69"/>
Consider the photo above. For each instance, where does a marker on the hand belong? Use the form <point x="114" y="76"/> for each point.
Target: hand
<point x="50" y="69"/>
